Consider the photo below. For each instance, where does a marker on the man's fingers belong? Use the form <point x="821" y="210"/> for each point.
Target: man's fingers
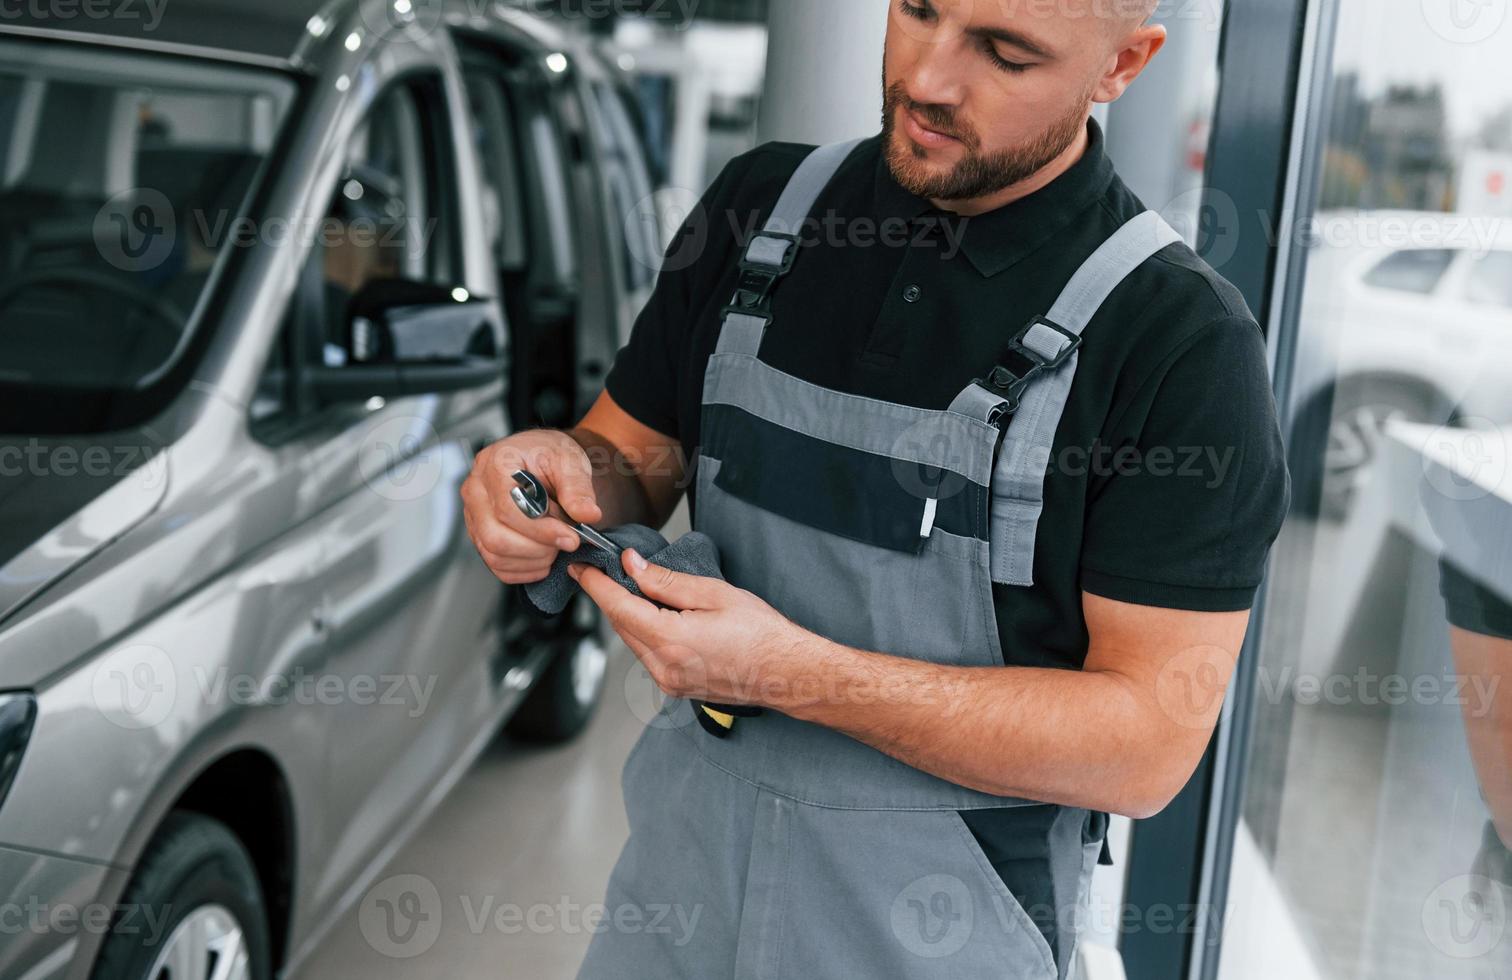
<point x="504" y="541"/>
<point x="511" y="568"/>
<point x="491" y="496"/>
<point x="624" y="608"/>
<point x="570" y="476"/>
<point x="676" y="589"/>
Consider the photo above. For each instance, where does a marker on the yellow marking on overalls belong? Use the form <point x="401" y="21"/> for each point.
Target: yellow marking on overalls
<point x="724" y="720"/>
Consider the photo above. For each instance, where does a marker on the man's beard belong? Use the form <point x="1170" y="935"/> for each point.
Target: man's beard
<point x="976" y="175"/>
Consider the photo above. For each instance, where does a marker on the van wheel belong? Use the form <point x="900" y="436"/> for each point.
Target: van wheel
<point x="563" y="700"/>
<point x="1354" y="421"/>
<point x="193" y="910"/>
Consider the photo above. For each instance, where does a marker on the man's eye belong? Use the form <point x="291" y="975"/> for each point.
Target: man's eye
<point x="919" y="12"/>
<point x="1004" y="63"/>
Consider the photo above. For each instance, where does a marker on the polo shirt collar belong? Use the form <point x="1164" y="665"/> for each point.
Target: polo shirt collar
<point x="995" y="240"/>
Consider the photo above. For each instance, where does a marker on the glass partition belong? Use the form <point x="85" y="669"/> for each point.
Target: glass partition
<point x="1377" y="789"/>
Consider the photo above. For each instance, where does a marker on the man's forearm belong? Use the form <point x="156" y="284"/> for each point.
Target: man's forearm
<point x="1056" y="736"/>
<point x="620" y="494"/>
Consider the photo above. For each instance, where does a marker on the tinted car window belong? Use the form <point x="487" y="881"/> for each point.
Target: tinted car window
<point x="1415" y="270"/>
<point x="122" y="184"/>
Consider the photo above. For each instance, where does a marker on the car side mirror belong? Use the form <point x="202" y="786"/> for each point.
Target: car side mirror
<point x="411" y="338"/>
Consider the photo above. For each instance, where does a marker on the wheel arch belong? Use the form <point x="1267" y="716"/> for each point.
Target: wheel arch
<point x="247" y="790"/>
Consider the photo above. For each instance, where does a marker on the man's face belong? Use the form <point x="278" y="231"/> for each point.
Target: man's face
<point x="980" y="94"/>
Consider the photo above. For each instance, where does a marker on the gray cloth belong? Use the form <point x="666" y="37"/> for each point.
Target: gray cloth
<point x="694" y="553"/>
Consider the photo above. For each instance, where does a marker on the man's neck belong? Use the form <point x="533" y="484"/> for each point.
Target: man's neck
<point x="1025" y="187"/>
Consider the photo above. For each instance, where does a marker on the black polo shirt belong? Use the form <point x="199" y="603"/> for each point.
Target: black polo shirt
<point x="1166" y="484"/>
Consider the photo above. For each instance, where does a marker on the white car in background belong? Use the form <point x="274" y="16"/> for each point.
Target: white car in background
<point x="1406" y="314"/>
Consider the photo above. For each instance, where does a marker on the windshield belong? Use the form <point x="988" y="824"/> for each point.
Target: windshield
<point x="121" y="181"/>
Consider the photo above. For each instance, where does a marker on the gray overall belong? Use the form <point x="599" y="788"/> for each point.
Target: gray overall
<point x="788" y="850"/>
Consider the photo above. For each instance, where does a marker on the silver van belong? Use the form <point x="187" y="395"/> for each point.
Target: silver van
<point x="268" y="281"/>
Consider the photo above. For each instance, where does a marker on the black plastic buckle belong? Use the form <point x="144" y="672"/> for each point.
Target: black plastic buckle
<point x="1009" y="381"/>
<point x="754" y="287"/>
<point x="752" y="291"/>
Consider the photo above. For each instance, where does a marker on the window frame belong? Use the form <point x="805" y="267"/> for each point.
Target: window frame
<point x="1261" y="147"/>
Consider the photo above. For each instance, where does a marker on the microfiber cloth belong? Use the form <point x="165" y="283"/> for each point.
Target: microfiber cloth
<point x="694" y="553"/>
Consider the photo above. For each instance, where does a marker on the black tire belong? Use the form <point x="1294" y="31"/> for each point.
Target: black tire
<point x="193" y="864"/>
<point x="1350" y="416"/>
<point x="560" y="704"/>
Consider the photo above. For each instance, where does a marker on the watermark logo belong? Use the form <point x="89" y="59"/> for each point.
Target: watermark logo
<point x="63" y="12"/>
<point x="1208" y="219"/>
<point x="1465" y="21"/>
<point x="400" y="917"/>
<point x="1191" y="686"/>
<point x="1467" y="461"/>
<point x="928" y="458"/>
<point x="918" y="20"/>
<point x="650" y="703"/>
<point x="144" y="461"/>
<point x="933" y="916"/>
<point x="1465" y="917"/>
<point x="401" y="20"/>
<point x="668" y="207"/>
<point x="136" y="687"/>
<point x="135" y="230"/>
<point x="399" y="459"/>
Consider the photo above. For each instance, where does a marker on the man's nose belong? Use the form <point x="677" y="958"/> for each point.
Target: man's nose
<point x="939" y="75"/>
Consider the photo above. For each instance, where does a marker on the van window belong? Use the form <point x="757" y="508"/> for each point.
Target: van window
<point x="388" y="221"/>
<point x="630" y="188"/>
<point x="122" y="182"/>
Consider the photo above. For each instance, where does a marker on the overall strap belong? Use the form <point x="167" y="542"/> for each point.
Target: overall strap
<point x="771" y="253"/>
<point x="1030" y="391"/>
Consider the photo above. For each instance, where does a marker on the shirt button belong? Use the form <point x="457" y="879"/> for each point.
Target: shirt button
<point x="912" y="294"/>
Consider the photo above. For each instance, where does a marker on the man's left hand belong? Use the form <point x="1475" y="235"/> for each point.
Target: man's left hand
<point x="716" y="643"/>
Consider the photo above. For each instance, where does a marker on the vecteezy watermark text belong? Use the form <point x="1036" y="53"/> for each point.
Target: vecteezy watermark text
<point x="149" y="12"/>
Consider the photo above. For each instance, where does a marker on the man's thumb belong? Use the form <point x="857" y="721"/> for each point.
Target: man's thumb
<point x="677" y="590"/>
<point x="572" y="481"/>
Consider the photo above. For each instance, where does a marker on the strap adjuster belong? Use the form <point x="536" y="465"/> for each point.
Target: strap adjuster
<point x="1074" y="340"/>
<point x="754" y="287"/>
<point x="1009" y="381"/>
<point x="789" y="252"/>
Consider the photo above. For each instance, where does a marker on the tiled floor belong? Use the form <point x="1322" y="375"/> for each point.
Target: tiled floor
<point x="514" y="853"/>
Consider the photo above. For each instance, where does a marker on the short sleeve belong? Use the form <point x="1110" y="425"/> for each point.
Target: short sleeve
<point x="644" y="378"/>
<point x="1473" y="606"/>
<point x="1189" y="487"/>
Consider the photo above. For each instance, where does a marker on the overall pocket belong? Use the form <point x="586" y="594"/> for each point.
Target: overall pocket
<point x="900" y="893"/>
<point x="913" y="603"/>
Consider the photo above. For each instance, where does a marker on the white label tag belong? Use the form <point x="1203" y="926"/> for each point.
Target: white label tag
<point x="927" y="524"/>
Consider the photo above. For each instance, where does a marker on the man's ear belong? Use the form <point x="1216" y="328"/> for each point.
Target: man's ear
<point x="1128" y="61"/>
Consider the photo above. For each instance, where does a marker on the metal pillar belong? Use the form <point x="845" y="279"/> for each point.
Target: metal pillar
<point x="823" y="70"/>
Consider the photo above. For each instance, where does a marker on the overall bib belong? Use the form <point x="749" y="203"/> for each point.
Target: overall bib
<point x="787" y="850"/>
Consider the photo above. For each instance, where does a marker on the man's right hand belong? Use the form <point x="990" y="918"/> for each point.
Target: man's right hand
<point x="516" y="548"/>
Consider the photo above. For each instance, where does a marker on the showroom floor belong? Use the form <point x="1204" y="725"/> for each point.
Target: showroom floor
<point x="523" y="843"/>
<point x="515" y="854"/>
